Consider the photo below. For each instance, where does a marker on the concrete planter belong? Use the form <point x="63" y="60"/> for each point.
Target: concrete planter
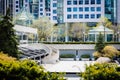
<point x="85" y="59"/>
<point x="67" y="59"/>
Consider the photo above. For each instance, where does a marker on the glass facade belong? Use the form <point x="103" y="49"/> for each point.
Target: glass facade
<point x="110" y="10"/>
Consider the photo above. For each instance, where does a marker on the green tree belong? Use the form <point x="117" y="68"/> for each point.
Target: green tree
<point x="8" y="39"/>
<point x="100" y="43"/>
<point x="45" y="28"/>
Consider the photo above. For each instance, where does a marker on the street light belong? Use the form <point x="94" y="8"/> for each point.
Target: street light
<point x="118" y="36"/>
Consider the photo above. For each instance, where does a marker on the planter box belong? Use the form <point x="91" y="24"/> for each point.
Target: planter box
<point x="85" y="59"/>
<point x="67" y="59"/>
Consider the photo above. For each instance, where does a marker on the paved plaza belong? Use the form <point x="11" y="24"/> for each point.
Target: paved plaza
<point x="67" y="66"/>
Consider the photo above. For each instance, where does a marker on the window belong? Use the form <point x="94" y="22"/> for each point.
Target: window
<point x="16" y="10"/>
<point x="69" y="16"/>
<point x="74" y="16"/>
<point x="80" y="16"/>
<point x="41" y="5"/>
<point x="75" y="9"/>
<point x="80" y="1"/>
<point x="86" y="1"/>
<point x="74" y="2"/>
<point x="54" y="4"/>
<point x="41" y="14"/>
<point x="92" y="1"/>
<point x="16" y="2"/>
<point x="98" y="8"/>
<point x="54" y="17"/>
<point x="41" y="0"/>
<point x="41" y="9"/>
<point x="98" y="15"/>
<point x="86" y="16"/>
<point x="16" y="6"/>
<point x="98" y="1"/>
<point x="69" y="3"/>
<point x="54" y="11"/>
<point x="69" y="10"/>
<point x="86" y="9"/>
<point x="80" y="9"/>
<point x="92" y="16"/>
<point x="92" y="8"/>
<point x="26" y="0"/>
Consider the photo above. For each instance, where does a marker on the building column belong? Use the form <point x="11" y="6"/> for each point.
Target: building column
<point x="66" y="32"/>
<point x="105" y="37"/>
<point x="95" y="38"/>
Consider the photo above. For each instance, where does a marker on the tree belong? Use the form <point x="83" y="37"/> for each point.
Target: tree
<point x="100" y="43"/>
<point x="106" y="23"/>
<point x="8" y="39"/>
<point x="78" y="30"/>
<point x="45" y="27"/>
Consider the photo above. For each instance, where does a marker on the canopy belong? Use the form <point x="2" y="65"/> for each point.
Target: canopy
<point x="101" y="29"/>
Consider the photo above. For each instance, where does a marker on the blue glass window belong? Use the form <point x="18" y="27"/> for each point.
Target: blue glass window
<point x="86" y="1"/>
<point x="69" y="16"/>
<point x="69" y="3"/>
<point x="16" y="10"/>
<point x="54" y="4"/>
<point x="54" y="17"/>
<point x="41" y="5"/>
<point x="92" y="8"/>
<point x="69" y="10"/>
<point x="92" y="1"/>
<point x="80" y="16"/>
<point x="41" y="0"/>
<point x="16" y="6"/>
<point x="74" y="16"/>
<point x="98" y="15"/>
<point x="98" y="8"/>
<point x="41" y="9"/>
<point x="80" y="1"/>
<point x="75" y="2"/>
<point x="92" y="16"/>
<point x="98" y="1"/>
<point x="86" y="16"/>
<point x="41" y="13"/>
<point x="16" y="2"/>
<point x="54" y="11"/>
<point x="75" y="9"/>
<point x="86" y="8"/>
<point x="80" y="9"/>
<point x="26" y="0"/>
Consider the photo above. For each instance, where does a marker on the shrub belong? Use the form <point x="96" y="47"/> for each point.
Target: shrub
<point x="24" y="70"/>
<point x="85" y="56"/>
<point x="108" y="51"/>
<point x="101" y="72"/>
<point x="67" y="56"/>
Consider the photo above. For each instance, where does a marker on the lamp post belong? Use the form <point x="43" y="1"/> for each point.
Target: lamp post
<point x="118" y="36"/>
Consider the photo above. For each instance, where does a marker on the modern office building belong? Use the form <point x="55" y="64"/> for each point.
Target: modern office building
<point x="66" y="10"/>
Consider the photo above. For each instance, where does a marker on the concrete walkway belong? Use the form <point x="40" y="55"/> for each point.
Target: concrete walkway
<point x="67" y="66"/>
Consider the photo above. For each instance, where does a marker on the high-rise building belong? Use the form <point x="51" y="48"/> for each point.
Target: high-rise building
<point x="4" y="4"/>
<point x="66" y="10"/>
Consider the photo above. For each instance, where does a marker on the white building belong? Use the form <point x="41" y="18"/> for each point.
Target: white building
<point x="71" y="10"/>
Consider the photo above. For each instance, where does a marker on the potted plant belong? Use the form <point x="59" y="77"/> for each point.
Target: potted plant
<point x="85" y="57"/>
